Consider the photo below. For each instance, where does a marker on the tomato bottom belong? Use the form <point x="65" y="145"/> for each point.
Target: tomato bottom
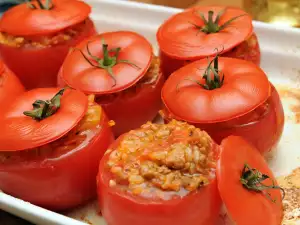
<point x="38" y="66"/>
<point x="248" y="50"/>
<point x="262" y="127"/>
<point x="56" y="179"/>
<point x="137" y="105"/>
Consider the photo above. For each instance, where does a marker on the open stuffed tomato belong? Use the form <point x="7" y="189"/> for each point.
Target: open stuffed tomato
<point x="196" y="33"/>
<point x="121" y="70"/>
<point x="10" y="86"/>
<point x="161" y="174"/>
<point x="50" y="147"/>
<point x="226" y="97"/>
<point x="36" y="36"/>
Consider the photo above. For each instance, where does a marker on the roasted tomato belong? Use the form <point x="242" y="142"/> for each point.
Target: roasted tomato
<point x="121" y="70"/>
<point x="35" y="38"/>
<point x="226" y="97"/>
<point x="197" y="32"/>
<point x="161" y="174"/>
<point x="49" y="155"/>
<point x="10" y="86"/>
<point x="247" y="186"/>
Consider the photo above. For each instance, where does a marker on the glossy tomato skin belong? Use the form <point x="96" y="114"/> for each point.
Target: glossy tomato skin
<point x="10" y="86"/>
<point x="130" y="111"/>
<point x="264" y="133"/>
<point x="248" y="50"/>
<point x="58" y="183"/>
<point x="38" y="67"/>
<point x="120" y="208"/>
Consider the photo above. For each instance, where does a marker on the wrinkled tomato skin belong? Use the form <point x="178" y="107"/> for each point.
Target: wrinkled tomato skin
<point x="121" y="208"/>
<point x="248" y="50"/>
<point x="58" y="183"/>
<point x="263" y="133"/>
<point x="133" y="110"/>
<point x="38" y="67"/>
<point x="10" y="87"/>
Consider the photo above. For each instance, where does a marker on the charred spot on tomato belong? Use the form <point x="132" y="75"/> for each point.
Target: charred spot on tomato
<point x="79" y="137"/>
<point x="43" y="41"/>
<point x="163" y="160"/>
<point x="150" y="78"/>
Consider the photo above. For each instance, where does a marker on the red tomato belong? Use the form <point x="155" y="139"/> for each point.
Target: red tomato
<point x="34" y="42"/>
<point x="122" y="207"/>
<point x="52" y="159"/>
<point x="196" y="33"/>
<point x="10" y="86"/>
<point x="245" y="104"/>
<point x="123" y="74"/>
<point x="245" y="204"/>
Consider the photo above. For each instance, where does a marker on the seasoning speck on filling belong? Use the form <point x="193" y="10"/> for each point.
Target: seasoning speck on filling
<point x="162" y="160"/>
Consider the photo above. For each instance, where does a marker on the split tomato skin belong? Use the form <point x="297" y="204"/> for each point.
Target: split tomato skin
<point x="62" y="182"/>
<point x="248" y="50"/>
<point x="10" y="86"/>
<point x="122" y="208"/>
<point x="38" y="67"/>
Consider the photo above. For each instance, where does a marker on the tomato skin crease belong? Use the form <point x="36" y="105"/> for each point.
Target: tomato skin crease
<point x="58" y="183"/>
<point x="248" y="50"/>
<point x="10" y="86"/>
<point x="121" y="208"/>
<point x="38" y="67"/>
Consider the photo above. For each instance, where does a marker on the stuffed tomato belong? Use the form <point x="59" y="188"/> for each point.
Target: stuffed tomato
<point x="196" y="33"/>
<point x="226" y="96"/>
<point x="161" y="174"/>
<point x="36" y="36"/>
<point x="51" y="144"/>
<point x="122" y="72"/>
<point x="10" y="86"/>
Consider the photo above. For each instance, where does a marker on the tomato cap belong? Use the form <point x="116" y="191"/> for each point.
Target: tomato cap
<point x="246" y="207"/>
<point x="181" y="37"/>
<point x="244" y="88"/>
<point x="25" y="21"/>
<point x="20" y="132"/>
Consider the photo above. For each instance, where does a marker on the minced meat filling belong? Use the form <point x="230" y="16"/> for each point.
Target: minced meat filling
<point x="43" y="41"/>
<point x="174" y="158"/>
<point x="78" y="137"/>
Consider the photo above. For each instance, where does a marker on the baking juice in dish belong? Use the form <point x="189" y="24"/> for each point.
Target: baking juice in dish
<point x="161" y="164"/>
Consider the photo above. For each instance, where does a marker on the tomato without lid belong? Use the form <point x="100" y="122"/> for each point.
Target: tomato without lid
<point x="67" y="165"/>
<point x="120" y="69"/>
<point x="10" y="86"/>
<point x="246" y="207"/>
<point x="134" y="202"/>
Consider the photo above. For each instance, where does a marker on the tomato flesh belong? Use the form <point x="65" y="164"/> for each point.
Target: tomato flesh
<point x="38" y="66"/>
<point x="124" y="206"/>
<point x="262" y="127"/>
<point x="248" y="50"/>
<point x="59" y="178"/>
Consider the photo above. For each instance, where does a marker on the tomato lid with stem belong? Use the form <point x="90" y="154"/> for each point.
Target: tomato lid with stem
<point x="246" y="184"/>
<point x="107" y="63"/>
<point x="40" y="116"/>
<point x="215" y="90"/>
<point x="196" y="32"/>
<point x="42" y="17"/>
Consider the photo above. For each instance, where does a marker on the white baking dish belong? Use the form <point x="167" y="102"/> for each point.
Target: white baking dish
<point x="280" y="60"/>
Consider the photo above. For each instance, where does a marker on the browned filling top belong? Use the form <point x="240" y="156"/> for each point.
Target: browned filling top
<point x="162" y="160"/>
<point x="42" y="41"/>
<point x="77" y="138"/>
<point x="150" y="78"/>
